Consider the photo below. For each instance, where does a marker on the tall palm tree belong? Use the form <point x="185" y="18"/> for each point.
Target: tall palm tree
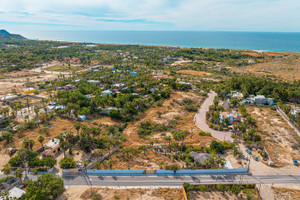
<point x="41" y="140"/>
<point x="37" y="110"/>
<point x="168" y="139"/>
<point x="19" y="174"/>
<point x="77" y="126"/>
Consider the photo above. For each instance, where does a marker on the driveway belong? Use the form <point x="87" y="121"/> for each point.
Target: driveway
<point x="200" y="120"/>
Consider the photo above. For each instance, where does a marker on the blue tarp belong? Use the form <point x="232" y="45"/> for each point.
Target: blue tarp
<point x="81" y="117"/>
<point x="133" y="73"/>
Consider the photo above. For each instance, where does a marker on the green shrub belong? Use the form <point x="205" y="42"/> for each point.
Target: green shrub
<point x="67" y="163"/>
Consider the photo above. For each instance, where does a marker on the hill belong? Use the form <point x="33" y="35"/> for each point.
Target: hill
<point x="6" y="35"/>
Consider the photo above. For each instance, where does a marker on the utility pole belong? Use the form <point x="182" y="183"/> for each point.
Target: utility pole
<point x="249" y="165"/>
<point x="275" y="157"/>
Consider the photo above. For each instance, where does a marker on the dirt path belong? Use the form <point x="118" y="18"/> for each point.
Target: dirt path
<point x="200" y="120"/>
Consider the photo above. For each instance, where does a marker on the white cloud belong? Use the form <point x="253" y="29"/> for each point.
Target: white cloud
<point x="254" y="15"/>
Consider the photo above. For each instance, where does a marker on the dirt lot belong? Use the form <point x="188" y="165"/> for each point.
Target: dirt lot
<point x="286" y="68"/>
<point x="197" y="195"/>
<point x="170" y="110"/>
<point x="59" y="126"/>
<point x="286" y="193"/>
<point x="138" y="160"/>
<point x="82" y="192"/>
<point x="137" y="194"/>
<point x="63" y="68"/>
<point x="181" y="62"/>
<point x="193" y="72"/>
<point x="276" y="134"/>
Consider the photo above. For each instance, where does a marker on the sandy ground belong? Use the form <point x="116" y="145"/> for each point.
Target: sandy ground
<point x="181" y="62"/>
<point x="193" y="72"/>
<point x="19" y="79"/>
<point x="286" y="68"/>
<point x="82" y="192"/>
<point x="59" y="126"/>
<point x="139" y="161"/>
<point x="276" y="134"/>
<point x="286" y="193"/>
<point x="169" y="110"/>
<point x="216" y="195"/>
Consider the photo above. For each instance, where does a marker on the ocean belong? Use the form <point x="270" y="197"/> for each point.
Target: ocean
<point x="265" y="41"/>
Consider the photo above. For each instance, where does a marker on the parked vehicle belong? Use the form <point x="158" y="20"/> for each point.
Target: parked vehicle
<point x="245" y="157"/>
<point x="248" y="151"/>
<point x="255" y="157"/>
<point x="295" y="161"/>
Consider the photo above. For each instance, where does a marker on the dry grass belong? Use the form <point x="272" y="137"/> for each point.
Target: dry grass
<point x="169" y="110"/>
<point x="286" y="68"/>
<point x="140" y="161"/>
<point x="285" y="193"/>
<point x="276" y="134"/>
<point x="197" y="195"/>
<point x="193" y="72"/>
<point x="137" y="194"/>
<point x="59" y="126"/>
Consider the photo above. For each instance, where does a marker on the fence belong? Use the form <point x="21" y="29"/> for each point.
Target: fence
<point x="236" y="171"/>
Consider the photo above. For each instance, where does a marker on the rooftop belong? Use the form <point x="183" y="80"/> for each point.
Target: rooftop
<point x="52" y="143"/>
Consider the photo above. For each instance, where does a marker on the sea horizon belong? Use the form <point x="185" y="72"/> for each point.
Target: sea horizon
<point x="244" y="40"/>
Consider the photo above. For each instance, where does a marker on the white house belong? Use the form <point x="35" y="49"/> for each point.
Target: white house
<point x="295" y="111"/>
<point x="236" y="95"/>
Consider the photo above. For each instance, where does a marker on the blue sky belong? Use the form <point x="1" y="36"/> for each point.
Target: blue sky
<point x="191" y="15"/>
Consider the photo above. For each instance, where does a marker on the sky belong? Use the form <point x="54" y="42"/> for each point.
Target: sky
<point x="167" y="15"/>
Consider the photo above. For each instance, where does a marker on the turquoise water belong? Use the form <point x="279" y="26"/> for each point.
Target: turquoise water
<point x="267" y="41"/>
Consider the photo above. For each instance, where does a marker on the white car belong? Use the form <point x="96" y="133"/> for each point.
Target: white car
<point x="245" y="157"/>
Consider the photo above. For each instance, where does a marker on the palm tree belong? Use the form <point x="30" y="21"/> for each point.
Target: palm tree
<point x="168" y="139"/>
<point x="85" y="164"/>
<point x="6" y="169"/>
<point x="180" y="136"/>
<point x="37" y="110"/>
<point x="77" y="126"/>
<point x="98" y="153"/>
<point x="28" y="103"/>
<point x="19" y="174"/>
<point x="41" y="140"/>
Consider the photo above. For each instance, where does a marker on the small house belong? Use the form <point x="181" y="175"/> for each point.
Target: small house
<point x="52" y="148"/>
<point x="69" y="87"/>
<point x="107" y="92"/>
<point x="262" y="100"/>
<point x="236" y="95"/>
<point x="28" y="90"/>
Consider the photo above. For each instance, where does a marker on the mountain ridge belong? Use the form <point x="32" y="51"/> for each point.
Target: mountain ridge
<point x="6" y="35"/>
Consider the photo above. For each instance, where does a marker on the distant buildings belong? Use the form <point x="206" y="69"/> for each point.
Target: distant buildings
<point x="234" y="117"/>
<point x="259" y="100"/>
<point x="236" y="95"/>
<point x="69" y="87"/>
<point x="8" y="97"/>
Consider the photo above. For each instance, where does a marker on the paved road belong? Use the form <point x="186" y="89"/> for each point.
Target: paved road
<point x="200" y="119"/>
<point x="165" y="181"/>
<point x="179" y="180"/>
